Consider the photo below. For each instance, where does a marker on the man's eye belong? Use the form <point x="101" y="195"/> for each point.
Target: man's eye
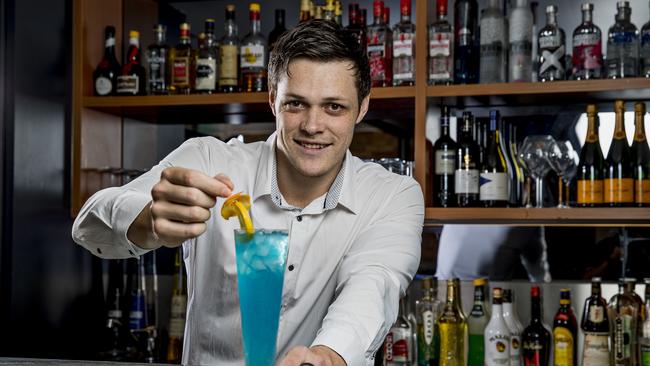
<point x="294" y="104"/>
<point x="335" y="107"/>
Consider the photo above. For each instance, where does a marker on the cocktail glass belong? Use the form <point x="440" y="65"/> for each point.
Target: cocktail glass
<point x="261" y="259"/>
<point x="563" y="159"/>
<point x="533" y="154"/>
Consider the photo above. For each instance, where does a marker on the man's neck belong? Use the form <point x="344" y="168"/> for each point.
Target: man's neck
<point x="297" y="189"/>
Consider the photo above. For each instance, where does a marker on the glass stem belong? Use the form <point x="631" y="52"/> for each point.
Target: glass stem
<point x="539" y="194"/>
<point x="560" y="191"/>
<point x="567" y="193"/>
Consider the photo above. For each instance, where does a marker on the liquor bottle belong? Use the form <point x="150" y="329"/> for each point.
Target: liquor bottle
<point x="587" y="59"/>
<point x="466" y="175"/>
<point x="157" y="55"/>
<point x="641" y="315"/>
<point x="229" y="54"/>
<point x="114" y="343"/>
<point x="428" y="335"/>
<point x="644" y="341"/>
<point x="318" y="12"/>
<point x="253" y="54"/>
<point x="565" y="332"/>
<point x="535" y="42"/>
<point x="151" y="287"/>
<point x="206" y="61"/>
<point x="497" y="334"/>
<point x="338" y="12"/>
<point x="514" y="326"/>
<point x="399" y="340"/>
<point x="136" y="313"/>
<point x="623" y="321"/>
<point x="595" y="325"/>
<point x="132" y="79"/>
<point x="304" y="11"/>
<point x="494" y="44"/>
<point x="354" y="25"/>
<point x="493" y="179"/>
<point x="640" y="158"/>
<point x="379" y="48"/>
<point x="552" y="48"/>
<point x="622" y="45"/>
<point x="404" y="47"/>
<point x="476" y="323"/>
<point x="106" y="72"/>
<point x="618" y="181"/>
<point x="178" y="310"/>
<point x="453" y="328"/>
<point x="520" y="54"/>
<point x="279" y="28"/>
<point x="517" y="186"/>
<point x="590" y="169"/>
<point x="445" y="163"/>
<point x="328" y="10"/>
<point x="182" y="63"/>
<point x="536" y="338"/>
<point x="466" y="42"/>
<point x="644" y="51"/>
<point x="441" y="55"/>
<point x="386" y="14"/>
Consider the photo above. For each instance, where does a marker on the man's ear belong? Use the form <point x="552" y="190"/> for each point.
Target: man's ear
<point x="363" y="108"/>
<point x="272" y="100"/>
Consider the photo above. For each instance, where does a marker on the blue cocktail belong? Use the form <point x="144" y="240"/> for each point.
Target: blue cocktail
<point x="261" y="258"/>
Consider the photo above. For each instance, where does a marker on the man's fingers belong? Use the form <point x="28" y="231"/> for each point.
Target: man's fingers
<point x="182" y="213"/>
<point x="173" y="231"/>
<point x="225" y="180"/>
<point x="193" y="178"/>
<point x="166" y="191"/>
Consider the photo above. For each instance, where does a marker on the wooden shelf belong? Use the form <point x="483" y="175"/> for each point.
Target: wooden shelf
<point x="544" y="216"/>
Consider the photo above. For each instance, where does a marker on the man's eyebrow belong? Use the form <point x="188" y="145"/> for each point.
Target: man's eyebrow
<point x="294" y="96"/>
<point x="302" y="98"/>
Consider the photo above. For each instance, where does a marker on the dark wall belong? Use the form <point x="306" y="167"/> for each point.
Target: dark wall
<point x="47" y="281"/>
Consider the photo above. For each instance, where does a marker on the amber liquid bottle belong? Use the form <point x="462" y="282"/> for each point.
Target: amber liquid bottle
<point x="229" y="54"/>
<point x="182" y="63"/>
<point x="595" y="325"/>
<point x="618" y="181"/>
<point x="253" y="53"/>
<point x="589" y="178"/>
<point x="640" y="158"/>
<point x="178" y="311"/>
<point x="565" y="332"/>
<point x="453" y="328"/>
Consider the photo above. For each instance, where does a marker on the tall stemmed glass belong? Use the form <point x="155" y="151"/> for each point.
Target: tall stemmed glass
<point x="562" y="158"/>
<point x="533" y="155"/>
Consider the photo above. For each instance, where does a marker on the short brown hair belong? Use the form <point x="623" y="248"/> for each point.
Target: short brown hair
<point x="319" y="40"/>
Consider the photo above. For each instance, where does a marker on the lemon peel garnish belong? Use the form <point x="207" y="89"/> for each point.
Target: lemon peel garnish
<point x="238" y="205"/>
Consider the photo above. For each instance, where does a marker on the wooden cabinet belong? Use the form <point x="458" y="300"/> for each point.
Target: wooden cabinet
<point x="98" y="121"/>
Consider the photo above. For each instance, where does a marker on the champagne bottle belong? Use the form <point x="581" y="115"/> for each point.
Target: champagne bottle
<point x="623" y="319"/>
<point x="514" y="326"/>
<point x="536" y="338"/>
<point x="595" y="325"/>
<point x="493" y="181"/>
<point x="618" y="181"/>
<point x="640" y="158"/>
<point x="590" y="169"/>
<point x="428" y="335"/>
<point x="497" y="334"/>
<point x="178" y="310"/>
<point x="453" y="328"/>
<point x="565" y="332"/>
<point x="466" y="176"/>
<point x="476" y="323"/>
<point x="445" y="163"/>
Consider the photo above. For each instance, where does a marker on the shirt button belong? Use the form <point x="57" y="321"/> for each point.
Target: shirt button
<point x="299" y="218"/>
<point x="291" y="267"/>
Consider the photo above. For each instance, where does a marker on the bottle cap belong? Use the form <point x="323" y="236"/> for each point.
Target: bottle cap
<point x="587" y="7"/>
<point x="639" y="107"/>
<point x="596" y="280"/>
<point x="185" y="26"/>
<point x="646" y="281"/>
<point x="442" y="6"/>
<point x="230" y="7"/>
<point x="592" y="109"/>
<point x="551" y="9"/>
<point x="378" y="8"/>
<point x="507" y="295"/>
<point x="405" y="7"/>
<point x="479" y="282"/>
<point x="254" y="7"/>
<point x="159" y="28"/>
<point x="622" y="4"/>
<point x="134" y="34"/>
<point x="534" y="291"/>
<point x="496" y="292"/>
<point x="619" y="105"/>
<point x="565" y="296"/>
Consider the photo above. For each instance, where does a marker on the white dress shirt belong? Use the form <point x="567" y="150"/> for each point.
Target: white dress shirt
<point x="352" y="251"/>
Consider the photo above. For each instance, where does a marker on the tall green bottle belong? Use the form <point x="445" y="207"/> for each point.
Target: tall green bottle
<point x="477" y="322"/>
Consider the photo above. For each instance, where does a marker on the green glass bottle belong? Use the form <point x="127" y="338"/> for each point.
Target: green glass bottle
<point x="477" y="322"/>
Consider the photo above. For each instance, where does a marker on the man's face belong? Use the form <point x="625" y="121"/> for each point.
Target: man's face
<point x="316" y="109"/>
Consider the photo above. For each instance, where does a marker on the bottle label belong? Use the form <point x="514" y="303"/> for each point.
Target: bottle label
<point x="115" y="314"/>
<point x="596" y="314"/>
<point x="497" y="350"/>
<point x="177" y="318"/>
<point x="534" y="354"/>
<point x="493" y="187"/>
<point x="552" y="41"/>
<point x="440" y="45"/>
<point x="156" y="72"/>
<point x="515" y="349"/>
<point x="552" y="60"/>
<point x="622" y="338"/>
<point x="619" y="190"/>
<point x="377" y="61"/>
<point x="109" y="42"/>
<point x="103" y="86"/>
<point x="623" y="37"/>
<point x="403" y="47"/>
<point x="397" y="345"/>
<point x="563" y="344"/>
<point x="596" y="349"/>
<point x="521" y="53"/>
<point x="590" y="192"/>
<point x="445" y="162"/>
<point x="645" y="37"/>
<point x="403" y="76"/>
<point x="252" y="56"/>
<point x="465" y="37"/>
<point x="181" y="71"/>
<point x="206" y="74"/>
<point x="645" y="353"/>
<point x="429" y="322"/>
<point x="466" y="181"/>
<point x="228" y="66"/>
<point x="587" y="52"/>
<point x="642" y="191"/>
<point x="128" y="84"/>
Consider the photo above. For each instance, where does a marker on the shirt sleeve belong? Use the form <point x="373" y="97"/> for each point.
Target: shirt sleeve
<point x="373" y="276"/>
<point x="105" y="218"/>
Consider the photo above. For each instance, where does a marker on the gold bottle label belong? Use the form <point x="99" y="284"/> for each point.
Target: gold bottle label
<point x="642" y="191"/>
<point x="563" y="344"/>
<point x="228" y="69"/>
<point x="590" y="192"/>
<point x="619" y="190"/>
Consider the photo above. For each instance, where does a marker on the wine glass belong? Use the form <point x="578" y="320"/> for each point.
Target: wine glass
<point x="533" y="155"/>
<point x="561" y="157"/>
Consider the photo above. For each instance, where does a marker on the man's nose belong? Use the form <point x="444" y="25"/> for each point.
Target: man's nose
<point x="314" y="122"/>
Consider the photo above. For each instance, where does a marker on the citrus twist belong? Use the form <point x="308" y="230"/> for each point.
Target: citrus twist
<point x="238" y="205"/>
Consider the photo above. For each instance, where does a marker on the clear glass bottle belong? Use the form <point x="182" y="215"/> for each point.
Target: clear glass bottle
<point x="644" y="51"/>
<point x="520" y="55"/>
<point x="427" y="311"/>
<point x="622" y="45"/>
<point x="552" y="48"/>
<point x="229" y="54"/>
<point x="476" y="323"/>
<point x="494" y="44"/>
<point x="441" y="55"/>
<point x="497" y="335"/>
<point x="157" y="65"/>
<point x="645" y="329"/>
<point x="453" y="328"/>
<point x="253" y="54"/>
<point x="380" y="48"/>
<point x="466" y="42"/>
<point x="181" y="60"/>
<point x="398" y="347"/>
<point x="494" y="180"/>
<point x="404" y="47"/>
<point x="623" y="321"/>
<point x="595" y="325"/>
<point x="587" y="58"/>
<point x="206" y="61"/>
<point x="641" y="315"/>
<point x="514" y="326"/>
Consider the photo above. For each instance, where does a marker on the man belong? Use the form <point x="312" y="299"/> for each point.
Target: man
<point x="354" y="228"/>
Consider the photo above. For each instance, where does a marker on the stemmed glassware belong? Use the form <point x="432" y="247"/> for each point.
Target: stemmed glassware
<point x="563" y="159"/>
<point x="533" y="156"/>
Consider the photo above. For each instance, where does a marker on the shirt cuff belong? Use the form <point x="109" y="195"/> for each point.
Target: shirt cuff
<point x="126" y="210"/>
<point x="347" y="345"/>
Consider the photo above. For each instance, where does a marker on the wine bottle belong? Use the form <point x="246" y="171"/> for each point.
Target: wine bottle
<point x="618" y="180"/>
<point x="589" y="178"/>
<point x="466" y="176"/>
<point x="445" y="163"/>
<point x="595" y="325"/>
<point x="493" y="180"/>
<point x="565" y="332"/>
<point x="640" y="158"/>
<point x="279" y="28"/>
<point x="497" y="334"/>
<point x="536" y="338"/>
<point x="106" y="72"/>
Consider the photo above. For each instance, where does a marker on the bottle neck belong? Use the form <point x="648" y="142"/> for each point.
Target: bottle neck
<point x="279" y="21"/>
<point x="256" y="24"/>
<point x="592" y="128"/>
<point x="619" y="127"/>
<point x="639" y="128"/>
<point x="586" y="16"/>
<point x="230" y="27"/>
<point x="497" y="310"/>
<point x="406" y="18"/>
<point x="160" y="38"/>
<point x="595" y="290"/>
<point x="551" y="18"/>
<point x="623" y="15"/>
<point x="109" y="47"/>
<point x="535" y="310"/>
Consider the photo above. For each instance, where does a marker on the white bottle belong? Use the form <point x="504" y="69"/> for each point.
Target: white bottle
<point x="520" y="58"/>
<point x="514" y="325"/>
<point x="497" y="335"/>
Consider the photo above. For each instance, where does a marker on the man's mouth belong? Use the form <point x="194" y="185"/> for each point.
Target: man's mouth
<point x="312" y="145"/>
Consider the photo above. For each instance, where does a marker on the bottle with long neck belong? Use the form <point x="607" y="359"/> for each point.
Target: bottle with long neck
<point x="404" y="47"/>
<point x="536" y="338"/>
<point x="623" y="321"/>
<point x="587" y="59"/>
<point x="521" y="42"/>
<point x="466" y="176"/>
<point x="445" y="163"/>
<point x="494" y="44"/>
<point x="379" y="48"/>
<point x="618" y="180"/>
<point x="178" y="310"/>
<point x="517" y="188"/>
<point x="644" y="51"/>
<point x="106" y="72"/>
<point x="182" y="63"/>
<point x="157" y="54"/>
<point x="114" y="346"/>
<point x="552" y="48"/>
<point x="641" y="315"/>
<point x="497" y="334"/>
<point x="398" y="347"/>
<point x="466" y="42"/>
<point x="441" y="48"/>
<point x="565" y="332"/>
<point x="640" y="158"/>
<point x="453" y="328"/>
<point x="476" y="323"/>
<point x="279" y="28"/>
<point x="589" y="178"/>
<point x="644" y="341"/>
<point x="622" y="45"/>
<point x="493" y="191"/>
<point x="514" y="326"/>
<point x="229" y="54"/>
<point x="132" y="80"/>
<point x="428" y="335"/>
<point x="595" y="325"/>
<point x="253" y="53"/>
<point x="206" y="61"/>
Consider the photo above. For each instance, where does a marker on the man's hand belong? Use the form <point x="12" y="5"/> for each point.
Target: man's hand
<point x="314" y="356"/>
<point x="180" y="206"/>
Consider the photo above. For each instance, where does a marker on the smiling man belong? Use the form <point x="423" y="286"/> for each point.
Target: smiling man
<point x="354" y="228"/>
